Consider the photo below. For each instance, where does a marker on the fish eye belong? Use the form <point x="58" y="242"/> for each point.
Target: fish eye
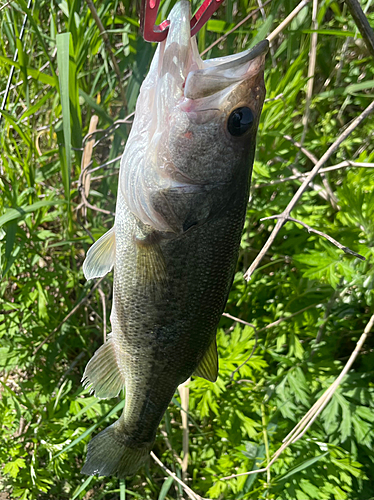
<point x="240" y="120"/>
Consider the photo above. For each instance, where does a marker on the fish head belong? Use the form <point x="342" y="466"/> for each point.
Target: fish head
<point x="217" y="119"/>
<point x="195" y="121"/>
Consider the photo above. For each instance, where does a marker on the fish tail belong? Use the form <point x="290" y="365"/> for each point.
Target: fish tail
<point x="112" y="452"/>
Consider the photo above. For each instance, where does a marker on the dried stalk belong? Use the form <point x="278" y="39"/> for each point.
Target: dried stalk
<point x="356" y="122"/>
<point x="338" y="166"/>
<point x="184" y="392"/>
<point x="320" y="233"/>
<point x="362" y="24"/>
<point x="108" y="46"/>
<point x="190" y="493"/>
<point x="243" y="21"/>
<point x="288" y="19"/>
<point x="86" y="160"/>
<point x="103" y="303"/>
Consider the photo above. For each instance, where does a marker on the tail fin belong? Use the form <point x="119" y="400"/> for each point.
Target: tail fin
<point x="110" y="454"/>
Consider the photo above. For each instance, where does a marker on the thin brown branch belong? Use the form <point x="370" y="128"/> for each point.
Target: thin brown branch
<point x="288" y="19"/>
<point x="276" y="98"/>
<point x="320" y="233"/>
<point x="356" y="122"/>
<point x="86" y="160"/>
<point x="190" y="493"/>
<point x="271" y="47"/>
<point x="184" y="393"/>
<point x="311" y="70"/>
<point x="299" y="145"/>
<point x="108" y="46"/>
<point x="300" y="429"/>
<point x="326" y="193"/>
<point x="75" y="308"/>
<point x="362" y="24"/>
<point x="309" y="94"/>
<point x="249" y="357"/>
<point x="109" y="130"/>
<point x="243" y="21"/>
<point x="85" y="175"/>
<point x="338" y="166"/>
<point x="239" y="320"/>
<point x="168" y="444"/>
<point x="326" y="316"/>
<point x="71" y="367"/>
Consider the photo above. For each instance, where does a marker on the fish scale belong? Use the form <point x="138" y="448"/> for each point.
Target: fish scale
<point x="182" y="197"/>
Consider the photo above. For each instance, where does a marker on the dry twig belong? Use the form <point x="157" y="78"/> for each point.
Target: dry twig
<point x="343" y="164"/>
<point x="362" y="24"/>
<point x="86" y="160"/>
<point x="288" y="19"/>
<point x="243" y="21"/>
<point x="190" y="493"/>
<point x="103" y="303"/>
<point x="75" y="308"/>
<point x="324" y="235"/>
<point x="286" y="213"/>
<point x="184" y="392"/>
<point x="108" y="46"/>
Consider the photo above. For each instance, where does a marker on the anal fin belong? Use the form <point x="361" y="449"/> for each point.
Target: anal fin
<point x="102" y="374"/>
<point x="208" y="366"/>
<point x="100" y="256"/>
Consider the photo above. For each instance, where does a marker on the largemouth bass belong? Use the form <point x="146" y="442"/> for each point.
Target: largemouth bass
<point x="182" y="197"/>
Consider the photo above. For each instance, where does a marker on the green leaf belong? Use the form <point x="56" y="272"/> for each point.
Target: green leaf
<point x="302" y="466"/>
<point x="82" y="487"/>
<point x="35" y="74"/>
<point x="12" y="468"/>
<point x="21" y="212"/>
<point x="165" y="488"/>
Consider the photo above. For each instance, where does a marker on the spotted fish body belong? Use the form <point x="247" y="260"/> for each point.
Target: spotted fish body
<point x="182" y="196"/>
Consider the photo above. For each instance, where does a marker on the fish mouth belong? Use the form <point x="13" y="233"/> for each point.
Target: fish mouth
<point x="218" y="74"/>
<point x="185" y="74"/>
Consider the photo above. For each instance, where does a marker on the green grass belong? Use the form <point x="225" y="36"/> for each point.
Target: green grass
<point x="63" y="76"/>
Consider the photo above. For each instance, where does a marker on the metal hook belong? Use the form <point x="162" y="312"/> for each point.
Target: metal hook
<point x="158" y="32"/>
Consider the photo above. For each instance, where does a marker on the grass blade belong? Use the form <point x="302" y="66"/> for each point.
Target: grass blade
<point x="122" y="489"/>
<point x="165" y="488"/>
<point x="83" y="487"/>
<point x="62" y="42"/>
<point x="20" y="212"/>
<point x="303" y="466"/>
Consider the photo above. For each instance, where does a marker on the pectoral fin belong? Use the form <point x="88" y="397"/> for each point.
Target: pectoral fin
<point x="102" y="374"/>
<point x="100" y="257"/>
<point x="150" y="262"/>
<point x="208" y="367"/>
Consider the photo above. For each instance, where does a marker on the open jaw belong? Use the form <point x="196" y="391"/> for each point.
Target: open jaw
<point x="182" y="72"/>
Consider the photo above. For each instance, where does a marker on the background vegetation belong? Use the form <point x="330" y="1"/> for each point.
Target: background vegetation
<point x="52" y="321"/>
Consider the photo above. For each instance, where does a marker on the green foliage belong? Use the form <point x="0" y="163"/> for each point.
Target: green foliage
<point x="320" y="298"/>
